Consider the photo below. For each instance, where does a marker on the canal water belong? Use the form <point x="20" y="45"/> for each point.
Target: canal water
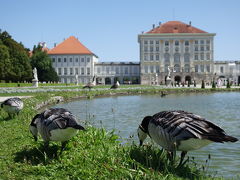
<point x="125" y="113"/>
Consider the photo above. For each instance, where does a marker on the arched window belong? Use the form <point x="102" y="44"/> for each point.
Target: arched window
<point x="166" y="58"/>
<point x="176" y="68"/>
<point x="177" y="58"/>
<point x="186" y="68"/>
<point x="186" y="57"/>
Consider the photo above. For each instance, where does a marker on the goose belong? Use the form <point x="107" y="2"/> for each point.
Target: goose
<point x="55" y="124"/>
<point x="12" y="106"/>
<point x="90" y="85"/>
<point x="181" y="131"/>
<point x="115" y="86"/>
<point x="163" y="94"/>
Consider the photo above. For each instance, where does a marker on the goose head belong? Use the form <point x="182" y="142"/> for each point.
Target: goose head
<point x="143" y="129"/>
<point x="33" y="126"/>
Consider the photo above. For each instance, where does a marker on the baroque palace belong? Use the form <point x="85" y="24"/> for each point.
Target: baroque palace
<point x="188" y="52"/>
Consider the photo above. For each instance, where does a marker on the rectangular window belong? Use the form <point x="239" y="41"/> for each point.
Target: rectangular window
<point x="82" y="71"/>
<point x="202" y="48"/>
<point x="202" y="56"/>
<point x="208" y="68"/>
<point x="176" y="43"/>
<point x="196" y="68"/>
<point x="221" y="69"/>
<point x="59" y="59"/>
<point x="65" y="59"/>
<point x="157" y="48"/>
<point x="76" y="59"/>
<point x="145" y="58"/>
<point x="196" y="41"/>
<point x="146" y="69"/>
<point x="71" y="71"/>
<point x="59" y="71"/>
<point x="196" y="56"/>
<point x="202" y="68"/>
<point x="196" y="48"/>
<point x="88" y="60"/>
<point x="145" y="42"/>
<point x="208" y="48"/>
<point x="151" y="49"/>
<point x="126" y="70"/>
<point x="186" y="43"/>
<point x="166" y="43"/>
<point x="76" y="70"/>
<point x="208" y="41"/>
<point x="65" y="71"/>
<point x="70" y="60"/>
<point x="98" y="70"/>
<point x="151" y="57"/>
<point x="108" y="70"/>
<point x="157" y="42"/>
<point x="157" y="57"/>
<point x="145" y="48"/>
<point x="151" y="42"/>
<point x="208" y="56"/>
<point x="53" y="59"/>
<point x="117" y="70"/>
<point x="157" y="69"/>
<point x="82" y="59"/>
<point x="88" y="71"/>
<point x="202" y="41"/>
<point x="151" y="69"/>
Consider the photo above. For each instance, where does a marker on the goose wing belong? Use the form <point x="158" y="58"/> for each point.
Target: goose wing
<point x="183" y="125"/>
<point x="59" y="118"/>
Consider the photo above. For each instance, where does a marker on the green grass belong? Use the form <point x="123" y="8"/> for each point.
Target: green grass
<point x="92" y="154"/>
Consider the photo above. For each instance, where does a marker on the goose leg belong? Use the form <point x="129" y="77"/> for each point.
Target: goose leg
<point x="63" y="145"/>
<point x="183" y="154"/>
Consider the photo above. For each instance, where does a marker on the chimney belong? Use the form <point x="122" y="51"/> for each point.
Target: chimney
<point x="159" y="23"/>
<point x="55" y="44"/>
<point x="190" y="23"/>
<point x="153" y="26"/>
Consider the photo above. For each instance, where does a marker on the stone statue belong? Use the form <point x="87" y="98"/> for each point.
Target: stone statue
<point x="35" y="74"/>
<point x="169" y="72"/>
<point x="76" y="78"/>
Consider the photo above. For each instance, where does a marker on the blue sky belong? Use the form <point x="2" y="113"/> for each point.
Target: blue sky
<point x="109" y="28"/>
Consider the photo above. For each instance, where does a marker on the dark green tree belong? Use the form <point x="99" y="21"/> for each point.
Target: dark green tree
<point x="213" y="84"/>
<point x="20" y="68"/>
<point x="203" y="84"/>
<point x="43" y="63"/>
<point x="5" y="63"/>
<point x="228" y="84"/>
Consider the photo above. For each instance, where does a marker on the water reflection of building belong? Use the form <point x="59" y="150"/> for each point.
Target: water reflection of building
<point x="187" y="50"/>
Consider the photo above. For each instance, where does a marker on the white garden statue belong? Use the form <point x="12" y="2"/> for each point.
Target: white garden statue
<point x="35" y="76"/>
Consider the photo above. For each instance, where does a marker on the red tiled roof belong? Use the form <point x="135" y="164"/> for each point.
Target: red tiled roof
<point x="70" y="46"/>
<point x="175" y="27"/>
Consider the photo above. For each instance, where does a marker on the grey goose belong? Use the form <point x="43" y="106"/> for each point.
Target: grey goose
<point x="12" y="106"/>
<point x="55" y="124"/>
<point x="181" y="131"/>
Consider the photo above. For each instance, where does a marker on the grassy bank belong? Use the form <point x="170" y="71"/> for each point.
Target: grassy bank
<point x="92" y="154"/>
